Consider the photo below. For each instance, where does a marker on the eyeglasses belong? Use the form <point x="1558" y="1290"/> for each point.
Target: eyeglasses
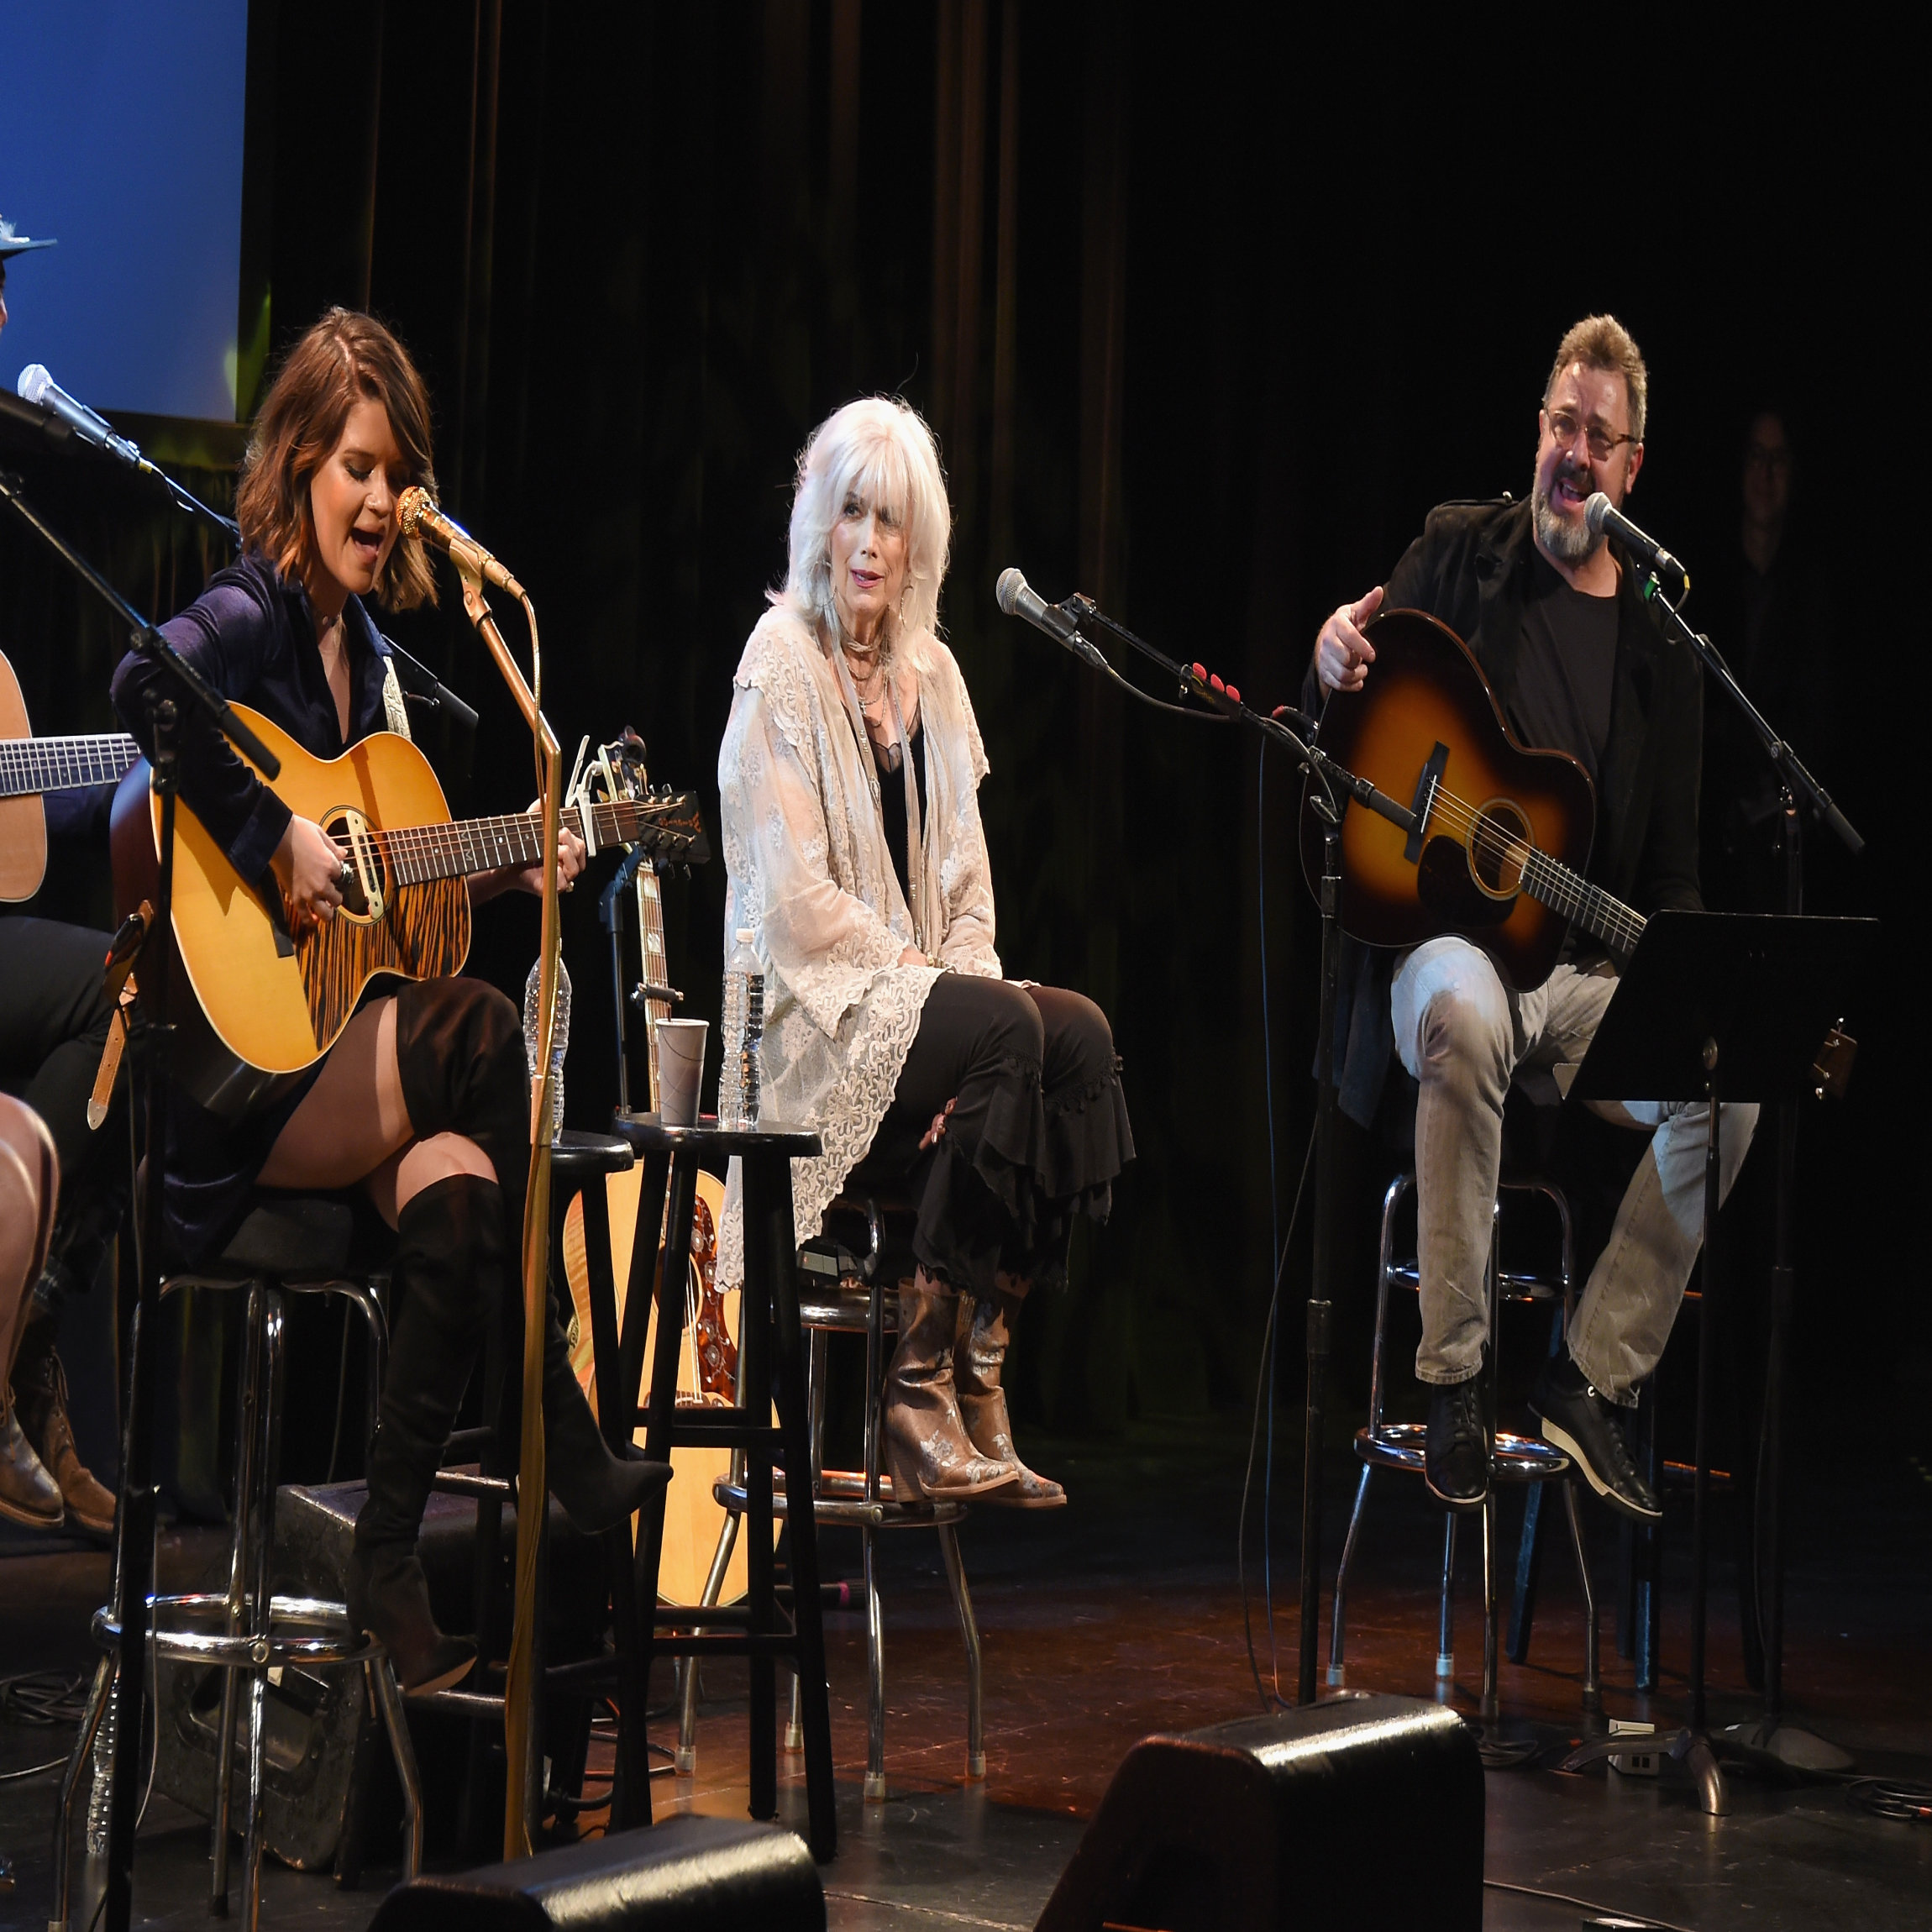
<point x="1564" y="427"/>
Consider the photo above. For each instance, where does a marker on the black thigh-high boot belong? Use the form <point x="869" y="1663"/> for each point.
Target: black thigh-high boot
<point x="448" y="1276"/>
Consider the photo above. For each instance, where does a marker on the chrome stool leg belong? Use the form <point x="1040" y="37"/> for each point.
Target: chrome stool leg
<point x="1489" y="1541"/>
<point x="1444" y="1629"/>
<point x="686" y="1761"/>
<point x="969" y="1629"/>
<point x="383" y="1694"/>
<point x="70" y="1789"/>
<point x="874" y="1669"/>
<point x="1592" y="1689"/>
<point x="268" y="1341"/>
<point x="1338" y="1630"/>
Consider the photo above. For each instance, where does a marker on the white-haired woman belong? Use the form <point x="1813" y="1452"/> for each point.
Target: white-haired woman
<point x="848" y="779"/>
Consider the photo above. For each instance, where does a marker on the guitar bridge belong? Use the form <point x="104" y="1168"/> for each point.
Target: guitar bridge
<point x="1424" y="801"/>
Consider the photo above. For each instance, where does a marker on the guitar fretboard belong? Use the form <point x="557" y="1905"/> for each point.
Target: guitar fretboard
<point x="30" y="764"/>
<point x="419" y="853"/>
<point x="1554" y="885"/>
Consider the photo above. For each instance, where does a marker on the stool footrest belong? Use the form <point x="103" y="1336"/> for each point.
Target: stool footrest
<point x="246" y="1649"/>
<point x="716" y="1428"/>
<point x="1517" y="1459"/>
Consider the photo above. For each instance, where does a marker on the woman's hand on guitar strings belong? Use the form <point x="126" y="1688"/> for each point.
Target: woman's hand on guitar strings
<point x="571" y="859"/>
<point x="308" y="867"/>
<point x="936" y="1132"/>
<point x="1343" y="655"/>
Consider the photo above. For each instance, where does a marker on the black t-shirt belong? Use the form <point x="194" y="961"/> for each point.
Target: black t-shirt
<point x="1566" y="669"/>
<point x="892" y="801"/>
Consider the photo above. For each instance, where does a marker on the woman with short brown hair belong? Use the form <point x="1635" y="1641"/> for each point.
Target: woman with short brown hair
<point x="424" y="1103"/>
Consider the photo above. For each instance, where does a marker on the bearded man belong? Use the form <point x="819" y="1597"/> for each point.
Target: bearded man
<point x="1558" y="620"/>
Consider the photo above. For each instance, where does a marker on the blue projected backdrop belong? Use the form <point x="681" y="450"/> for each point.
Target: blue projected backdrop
<point x="121" y="135"/>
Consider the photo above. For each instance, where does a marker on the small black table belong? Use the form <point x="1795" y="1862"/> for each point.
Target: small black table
<point x="771" y="1355"/>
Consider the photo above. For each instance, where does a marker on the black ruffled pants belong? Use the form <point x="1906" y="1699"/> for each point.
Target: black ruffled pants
<point x="1038" y="1130"/>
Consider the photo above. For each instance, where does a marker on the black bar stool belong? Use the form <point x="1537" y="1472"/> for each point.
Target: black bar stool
<point x="288" y="1244"/>
<point x="771" y="1355"/>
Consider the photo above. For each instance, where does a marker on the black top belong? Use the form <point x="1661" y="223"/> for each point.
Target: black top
<point x="251" y="634"/>
<point x="892" y="802"/>
<point x="1568" y="665"/>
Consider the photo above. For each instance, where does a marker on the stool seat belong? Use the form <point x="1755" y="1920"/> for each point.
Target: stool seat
<point x="648" y="1135"/>
<point x="291" y="1237"/>
<point x="575" y="1156"/>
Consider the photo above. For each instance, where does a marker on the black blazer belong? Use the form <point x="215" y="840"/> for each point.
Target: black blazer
<point x="1470" y="568"/>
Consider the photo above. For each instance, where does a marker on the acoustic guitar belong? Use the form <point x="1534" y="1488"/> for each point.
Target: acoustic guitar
<point x="262" y="1001"/>
<point x="707" y="1352"/>
<point x="1467" y="831"/>
<point x="30" y="766"/>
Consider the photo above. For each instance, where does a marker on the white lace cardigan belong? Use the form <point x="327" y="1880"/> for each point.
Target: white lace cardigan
<point x="810" y="874"/>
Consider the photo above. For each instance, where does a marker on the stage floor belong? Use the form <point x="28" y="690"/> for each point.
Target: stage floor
<point x="1121" y="1615"/>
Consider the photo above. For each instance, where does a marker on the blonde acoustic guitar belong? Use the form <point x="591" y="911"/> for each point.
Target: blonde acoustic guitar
<point x="264" y="1002"/>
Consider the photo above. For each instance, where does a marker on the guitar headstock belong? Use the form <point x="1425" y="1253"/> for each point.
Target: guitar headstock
<point x="669" y="825"/>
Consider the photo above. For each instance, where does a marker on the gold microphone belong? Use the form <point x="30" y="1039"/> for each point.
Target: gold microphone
<point x="419" y="517"/>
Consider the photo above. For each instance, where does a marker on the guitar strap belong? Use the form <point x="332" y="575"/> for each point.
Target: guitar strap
<point x="395" y="712"/>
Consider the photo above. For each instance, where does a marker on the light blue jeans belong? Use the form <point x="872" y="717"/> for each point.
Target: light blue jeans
<point x="1463" y="1035"/>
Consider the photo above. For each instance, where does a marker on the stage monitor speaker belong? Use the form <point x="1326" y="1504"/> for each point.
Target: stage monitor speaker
<point x="685" y="1874"/>
<point x="1354" y="1816"/>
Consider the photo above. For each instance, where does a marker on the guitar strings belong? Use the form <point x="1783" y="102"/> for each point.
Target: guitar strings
<point x="402" y="844"/>
<point x="1572" y="893"/>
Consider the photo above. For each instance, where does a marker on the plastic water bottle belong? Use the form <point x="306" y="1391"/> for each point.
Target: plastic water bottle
<point x="102" y="1793"/>
<point x="559" y="1039"/>
<point x="739" y="1082"/>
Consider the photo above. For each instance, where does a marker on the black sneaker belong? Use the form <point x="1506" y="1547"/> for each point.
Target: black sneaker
<point x="1455" y="1449"/>
<point x="1584" y="1425"/>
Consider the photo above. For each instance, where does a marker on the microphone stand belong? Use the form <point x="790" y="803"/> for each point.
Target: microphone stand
<point x="134" y="1519"/>
<point x="1331" y="780"/>
<point x="520" y="1733"/>
<point x="1790" y="1744"/>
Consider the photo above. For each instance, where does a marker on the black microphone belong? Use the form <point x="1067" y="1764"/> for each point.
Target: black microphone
<point x="1019" y="599"/>
<point x="36" y="385"/>
<point x="28" y="423"/>
<point x="1606" y="520"/>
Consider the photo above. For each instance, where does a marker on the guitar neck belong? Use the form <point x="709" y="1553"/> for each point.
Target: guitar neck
<point x="651" y="945"/>
<point x="30" y="764"/>
<point x="418" y="853"/>
<point x="1564" y="891"/>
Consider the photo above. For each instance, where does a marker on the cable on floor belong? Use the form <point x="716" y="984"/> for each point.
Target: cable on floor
<point x="1606" y="1915"/>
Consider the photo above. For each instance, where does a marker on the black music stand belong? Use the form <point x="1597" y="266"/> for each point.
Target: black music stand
<point x="1718" y="1006"/>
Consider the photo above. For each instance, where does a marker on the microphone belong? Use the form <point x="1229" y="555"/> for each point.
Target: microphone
<point x="420" y="517"/>
<point x="36" y="385"/>
<point x="1019" y="599"/>
<point x="1606" y="520"/>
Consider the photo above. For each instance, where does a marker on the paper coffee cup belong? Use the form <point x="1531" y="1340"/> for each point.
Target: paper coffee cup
<point x="681" y="1070"/>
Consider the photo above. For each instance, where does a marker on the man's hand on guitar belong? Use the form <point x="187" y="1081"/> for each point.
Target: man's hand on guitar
<point x="308" y="866"/>
<point x="1343" y="655"/>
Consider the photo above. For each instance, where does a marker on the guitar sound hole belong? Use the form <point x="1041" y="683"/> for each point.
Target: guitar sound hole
<point x="1498" y="845"/>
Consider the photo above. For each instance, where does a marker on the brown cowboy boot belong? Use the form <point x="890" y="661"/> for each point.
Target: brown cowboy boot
<point x="926" y="1450"/>
<point x="984" y="1329"/>
<point x="41" y="1399"/>
<point x="28" y="1495"/>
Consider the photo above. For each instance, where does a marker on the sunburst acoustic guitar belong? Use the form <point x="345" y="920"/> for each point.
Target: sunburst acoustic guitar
<point x="1469" y="831"/>
<point x="30" y="766"/>
<point x="268" y="1001"/>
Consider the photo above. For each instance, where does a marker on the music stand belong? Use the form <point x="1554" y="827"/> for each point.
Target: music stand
<point x="1718" y="1006"/>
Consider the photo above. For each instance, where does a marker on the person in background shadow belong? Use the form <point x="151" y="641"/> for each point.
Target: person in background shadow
<point x="1772" y="618"/>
